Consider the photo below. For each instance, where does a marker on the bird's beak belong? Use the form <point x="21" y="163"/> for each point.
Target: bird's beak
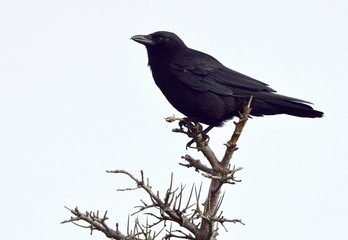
<point x="143" y="39"/>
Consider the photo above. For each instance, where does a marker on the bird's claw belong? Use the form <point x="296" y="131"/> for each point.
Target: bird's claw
<point x="188" y="145"/>
<point x="191" y="129"/>
<point x="205" y="140"/>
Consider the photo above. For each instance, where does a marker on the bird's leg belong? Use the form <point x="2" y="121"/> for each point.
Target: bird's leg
<point x="196" y="129"/>
<point x="205" y="131"/>
<point x="193" y="129"/>
<point x="205" y="136"/>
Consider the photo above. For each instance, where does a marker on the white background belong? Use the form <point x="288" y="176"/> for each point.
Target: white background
<point x="76" y="99"/>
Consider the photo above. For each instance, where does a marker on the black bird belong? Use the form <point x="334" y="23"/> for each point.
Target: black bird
<point x="206" y="91"/>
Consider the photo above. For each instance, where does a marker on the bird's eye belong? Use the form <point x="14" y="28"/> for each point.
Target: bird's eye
<point x="159" y="39"/>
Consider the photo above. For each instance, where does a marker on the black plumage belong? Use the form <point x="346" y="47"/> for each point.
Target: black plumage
<point x="206" y="91"/>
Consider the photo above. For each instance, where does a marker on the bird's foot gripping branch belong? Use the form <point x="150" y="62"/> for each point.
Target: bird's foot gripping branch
<point x="192" y="129"/>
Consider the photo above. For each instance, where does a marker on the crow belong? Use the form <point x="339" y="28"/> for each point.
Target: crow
<point x="205" y="91"/>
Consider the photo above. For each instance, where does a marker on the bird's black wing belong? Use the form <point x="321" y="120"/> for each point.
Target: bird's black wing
<point x="202" y="72"/>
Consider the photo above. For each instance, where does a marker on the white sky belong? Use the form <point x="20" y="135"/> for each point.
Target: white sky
<point x="76" y="99"/>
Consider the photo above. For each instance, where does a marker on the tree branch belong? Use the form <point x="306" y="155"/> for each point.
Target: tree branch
<point x="200" y="224"/>
<point x="95" y="223"/>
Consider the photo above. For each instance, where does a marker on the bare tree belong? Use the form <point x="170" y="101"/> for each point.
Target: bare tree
<point x="172" y="216"/>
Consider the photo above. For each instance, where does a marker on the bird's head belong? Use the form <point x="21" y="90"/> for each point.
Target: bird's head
<point x="160" y="44"/>
<point x="161" y="39"/>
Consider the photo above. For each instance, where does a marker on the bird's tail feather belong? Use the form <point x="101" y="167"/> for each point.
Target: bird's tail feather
<point x="282" y="105"/>
<point x="298" y="109"/>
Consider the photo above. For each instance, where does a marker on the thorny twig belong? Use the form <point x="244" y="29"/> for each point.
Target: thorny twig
<point x="95" y="223"/>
